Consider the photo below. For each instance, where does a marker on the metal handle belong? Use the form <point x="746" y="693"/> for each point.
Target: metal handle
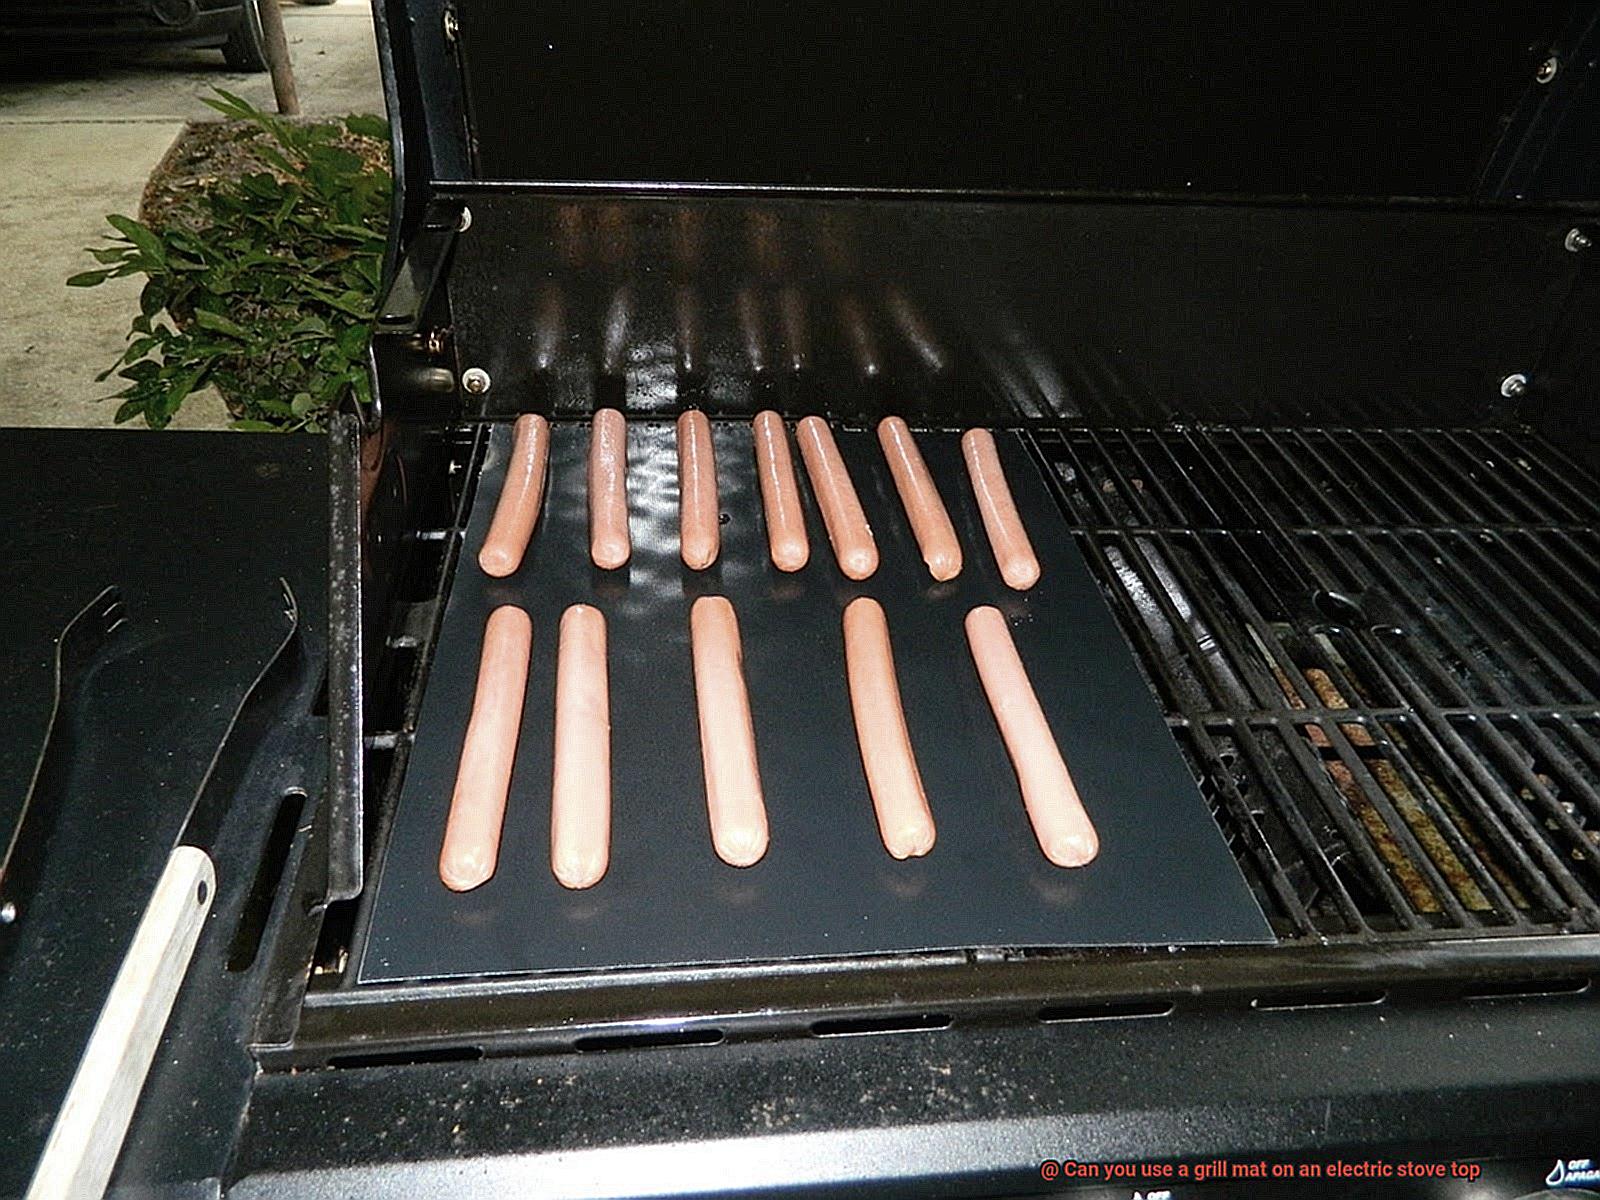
<point x="87" y="1136"/>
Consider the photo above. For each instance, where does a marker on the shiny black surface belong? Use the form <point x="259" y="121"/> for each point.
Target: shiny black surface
<point x="1361" y="317"/>
<point x="971" y="312"/>
<point x="27" y="839"/>
<point x="968" y="1110"/>
<point x="1566" y="415"/>
<point x="1225" y="96"/>
<point x="197" y="530"/>
<point x="826" y="886"/>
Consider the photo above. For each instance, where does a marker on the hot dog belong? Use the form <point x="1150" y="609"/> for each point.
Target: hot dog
<point x="609" y="544"/>
<point x="1065" y="833"/>
<point x="727" y="734"/>
<point x="780" y="495"/>
<point x="936" y="536"/>
<point x="478" y="805"/>
<point x="836" y="496"/>
<point x="1012" y="550"/>
<point x="898" y="797"/>
<point x="517" y="510"/>
<point x="699" y="522"/>
<point x="580" y="797"/>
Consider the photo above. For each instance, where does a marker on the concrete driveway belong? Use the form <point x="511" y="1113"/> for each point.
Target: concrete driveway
<point x="78" y="139"/>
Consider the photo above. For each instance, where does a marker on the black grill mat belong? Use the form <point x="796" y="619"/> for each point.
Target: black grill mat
<point x="826" y="887"/>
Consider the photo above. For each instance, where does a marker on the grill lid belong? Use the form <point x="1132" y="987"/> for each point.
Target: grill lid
<point x="1095" y="96"/>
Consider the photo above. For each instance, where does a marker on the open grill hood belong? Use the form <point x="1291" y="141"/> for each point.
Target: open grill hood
<point x="1293" y="317"/>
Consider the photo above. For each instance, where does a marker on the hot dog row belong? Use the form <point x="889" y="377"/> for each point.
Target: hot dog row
<point x="580" y="809"/>
<point x="849" y="534"/>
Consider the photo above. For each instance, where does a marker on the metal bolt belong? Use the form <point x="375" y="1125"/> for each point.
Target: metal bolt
<point x="1513" y="386"/>
<point x="8" y="913"/>
<point x="465" y="223"/>
<point x="1577" y="240"/>
<point x="475" y="380"/>
<point x="1547" y="70"/>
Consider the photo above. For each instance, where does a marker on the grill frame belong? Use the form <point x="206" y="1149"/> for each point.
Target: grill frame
<point x="1430" y="1066"/>
<point x="1418" y="960"/>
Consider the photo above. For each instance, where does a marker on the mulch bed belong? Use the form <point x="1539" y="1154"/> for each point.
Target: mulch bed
<point x="209" y="151"/>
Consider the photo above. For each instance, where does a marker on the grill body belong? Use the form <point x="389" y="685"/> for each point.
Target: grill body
<point x="1306" y="362"/>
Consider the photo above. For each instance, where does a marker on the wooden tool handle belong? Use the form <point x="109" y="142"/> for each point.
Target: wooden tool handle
<point x="89" y="1129"/>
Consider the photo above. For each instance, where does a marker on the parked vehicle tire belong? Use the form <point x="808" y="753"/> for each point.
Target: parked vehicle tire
<point x="246" y="48"/>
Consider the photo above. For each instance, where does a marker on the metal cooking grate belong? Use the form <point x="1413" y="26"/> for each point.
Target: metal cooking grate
<point x="1380" y="651"/>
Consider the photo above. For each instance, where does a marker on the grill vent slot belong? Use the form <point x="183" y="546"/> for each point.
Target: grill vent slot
<point x="257" y="908"/>
<point x="899" y="1023"/>
<point x="1112" y="1010"/>
<point x="1289" y="1001"/>
<point x="405" y="1058"/>
<point x="649" y="1040"/>
<point x="1529" y="988"/>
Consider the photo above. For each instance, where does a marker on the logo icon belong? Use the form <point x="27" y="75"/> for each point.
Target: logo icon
<point x="1573" y="1173"/>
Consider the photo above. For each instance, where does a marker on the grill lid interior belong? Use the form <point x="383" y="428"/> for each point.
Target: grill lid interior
<point x="1018" y="96"/>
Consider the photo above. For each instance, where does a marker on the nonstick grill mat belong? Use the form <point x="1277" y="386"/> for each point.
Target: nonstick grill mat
<point x="826" y="886"/>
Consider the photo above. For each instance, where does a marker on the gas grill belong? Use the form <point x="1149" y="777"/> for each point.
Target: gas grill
<point x="1286" y="323"/>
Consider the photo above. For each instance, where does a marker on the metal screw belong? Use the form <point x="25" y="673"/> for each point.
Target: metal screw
<point x="1513" y="386"/>
<point x="1547" y="70"/>
<point x="475" y="380"/>
<point x="465" y="223"/>
<point x="1577" y="240"/>
<point x="8" y="913"/>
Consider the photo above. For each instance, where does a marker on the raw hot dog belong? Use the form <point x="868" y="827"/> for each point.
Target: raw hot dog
<point x="699" y="522"/>
<point x="478" y="805"/>
<point x="904" y="821"/>
<point x="609" y="544"/>
<point x="580" y="797"/>
<point x="517" y="511"/>
<point x="1065" y="833"/>
<point x="1012" y="550"/>
<point x="936" y="536"/>
<point x="780" y="495"/>
<point x="836" y="496"/>
<point x="727" y="734"/>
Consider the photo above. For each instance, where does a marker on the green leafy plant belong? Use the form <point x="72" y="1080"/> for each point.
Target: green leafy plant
<point x="266" y="289"/>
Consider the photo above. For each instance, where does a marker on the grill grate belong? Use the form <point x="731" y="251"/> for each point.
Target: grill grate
<point x="1380" y="652"/>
